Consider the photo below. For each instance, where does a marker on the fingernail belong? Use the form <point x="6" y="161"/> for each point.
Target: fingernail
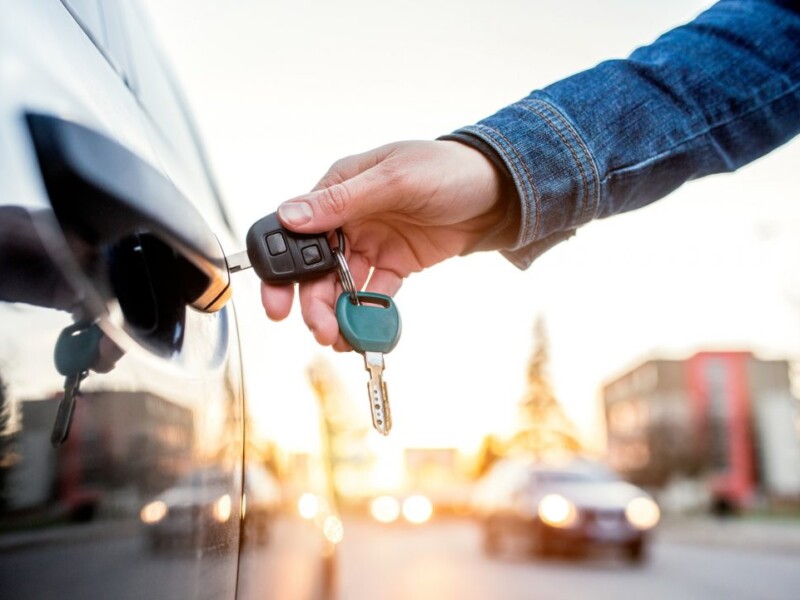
<point x="295" y="213"/>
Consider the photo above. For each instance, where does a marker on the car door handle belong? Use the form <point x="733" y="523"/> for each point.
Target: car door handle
<point x="106" y="192"/>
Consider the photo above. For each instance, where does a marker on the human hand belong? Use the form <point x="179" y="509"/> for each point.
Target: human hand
<point x="403" y="207"/>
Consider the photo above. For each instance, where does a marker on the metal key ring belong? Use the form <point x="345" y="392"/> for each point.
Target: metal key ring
<point x="345" y="276"/>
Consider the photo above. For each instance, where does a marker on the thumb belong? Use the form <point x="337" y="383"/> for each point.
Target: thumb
<point x="333" y="206"/>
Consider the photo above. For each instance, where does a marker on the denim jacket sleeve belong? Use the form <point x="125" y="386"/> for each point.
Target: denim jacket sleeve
<point x="704" y="98"/>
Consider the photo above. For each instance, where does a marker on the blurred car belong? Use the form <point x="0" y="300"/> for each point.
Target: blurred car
<point x="261" y="503"/>
<point x="113" y="237"/>
<point x="198" y="505"/>
<point x="571" y="507"/>
<point x="413" y="508"/>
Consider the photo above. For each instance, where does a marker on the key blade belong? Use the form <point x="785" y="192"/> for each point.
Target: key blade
<point x="66" y="410"/>
<point x="238" y="262"/>
<point x="378" y="394"/>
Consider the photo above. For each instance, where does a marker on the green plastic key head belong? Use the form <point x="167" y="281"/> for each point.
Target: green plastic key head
<point x="77" y="348"/>
<point x="373" y="325"/>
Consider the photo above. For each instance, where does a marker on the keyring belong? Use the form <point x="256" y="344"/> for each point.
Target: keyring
<point x="345" y="276"/>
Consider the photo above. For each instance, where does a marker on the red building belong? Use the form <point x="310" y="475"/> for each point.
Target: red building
<point x="726" y="418"/>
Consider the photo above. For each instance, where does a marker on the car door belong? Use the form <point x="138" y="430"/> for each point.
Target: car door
<point x="99" y="233"/>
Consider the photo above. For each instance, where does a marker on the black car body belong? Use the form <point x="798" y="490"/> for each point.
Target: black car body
<point x="111" y="226"/>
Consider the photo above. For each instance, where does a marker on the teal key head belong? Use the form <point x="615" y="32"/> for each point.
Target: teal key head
<point x="373" y="325"/>
<point x="77" y="348"/>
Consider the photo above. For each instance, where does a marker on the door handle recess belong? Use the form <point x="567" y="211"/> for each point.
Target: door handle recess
<point x="106" y="192"/>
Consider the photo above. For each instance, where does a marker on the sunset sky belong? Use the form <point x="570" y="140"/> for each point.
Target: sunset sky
<point x="282" y="89"/>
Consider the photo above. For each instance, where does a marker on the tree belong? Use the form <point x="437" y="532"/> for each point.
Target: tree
<point x="490" y="451"/>
<point x="544" y="428"/>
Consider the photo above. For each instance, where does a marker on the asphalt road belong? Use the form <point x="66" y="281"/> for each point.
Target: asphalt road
<point x="442" y="561"/>
<point x="438" y="561"/>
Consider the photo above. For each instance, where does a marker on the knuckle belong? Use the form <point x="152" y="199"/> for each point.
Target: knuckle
<point x="334" y="175"/>
<point x="395" y="175"/>
<point x="339" y="168"/>
<point x="334" y="200"/>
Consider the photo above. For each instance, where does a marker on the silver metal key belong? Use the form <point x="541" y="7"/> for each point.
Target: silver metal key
<point x="378" y="394"/>
<point x="66" y="408"/>
<point x="238" y="262"/>
<point x="370" y="322"/>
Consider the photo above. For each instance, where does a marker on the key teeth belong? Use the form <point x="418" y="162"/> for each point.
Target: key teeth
<point x="378" y="393"/>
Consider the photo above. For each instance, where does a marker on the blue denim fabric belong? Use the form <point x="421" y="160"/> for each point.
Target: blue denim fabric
<point x="707" y="97"/>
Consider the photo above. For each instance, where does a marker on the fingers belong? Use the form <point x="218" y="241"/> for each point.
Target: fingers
<point x="350" y="166"/>
<point x="277" y="300"/>
<point x="358" y="187"/>
<point x="332" y="207"/>
<point x="384" y="281"/>
<point x="108" y="354"/>
<point x="318" y="301"/>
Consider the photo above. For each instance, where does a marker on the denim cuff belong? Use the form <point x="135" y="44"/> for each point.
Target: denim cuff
<point x="552" y="169"/>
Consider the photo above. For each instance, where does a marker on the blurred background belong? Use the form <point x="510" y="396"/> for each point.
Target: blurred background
<point x="659" y="344"/>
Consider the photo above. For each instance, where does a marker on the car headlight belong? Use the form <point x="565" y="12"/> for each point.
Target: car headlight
<point x="557" y="511"/>
<point x="309" y="506"/>
<point x="153" y="513"/>
<point x="417" y="509"/>
<point x="642" y="513"/>
<point x="222" y="509"/>
<point x="385" y="509"/>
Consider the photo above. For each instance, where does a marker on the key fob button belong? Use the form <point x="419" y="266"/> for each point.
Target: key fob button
<point x="280" y="256"/>
<point x="311" y="254"/>
<point x="276" y="243"/>
<point x="282" y="264"/>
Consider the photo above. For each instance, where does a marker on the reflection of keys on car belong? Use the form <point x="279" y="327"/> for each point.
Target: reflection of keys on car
<point x="280" y="256"/>
<point x="77" y="349"/>
<point x="372" y="327"/>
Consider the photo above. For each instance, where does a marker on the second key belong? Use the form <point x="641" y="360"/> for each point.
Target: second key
<point x="372" y="326"/>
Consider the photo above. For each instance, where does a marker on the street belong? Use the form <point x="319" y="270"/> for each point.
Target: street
<point x="443" y="560"/>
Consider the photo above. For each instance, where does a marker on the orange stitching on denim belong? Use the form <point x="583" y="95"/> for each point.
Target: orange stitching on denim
<point x="536" y="197"/>
<point x="582" y="143"/>
<point x="569" y="146"/>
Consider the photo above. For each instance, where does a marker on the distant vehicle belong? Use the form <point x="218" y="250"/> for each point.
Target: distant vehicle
<point x="415" y="509"/>
<point x="570" y="508"/>
<point x="198" y="505"/>
<point x="261" y="503"/>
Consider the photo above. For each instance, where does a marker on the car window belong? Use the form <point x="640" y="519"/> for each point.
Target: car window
<point x="101" y="24"/>
<point x="87" y="14"/>
<point x="167" y="122"/>
<point x="556" y="477"/>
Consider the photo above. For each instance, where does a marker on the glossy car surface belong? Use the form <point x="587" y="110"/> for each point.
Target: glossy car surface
<point x="568" y="507"/>
<point x="110" y="223"/>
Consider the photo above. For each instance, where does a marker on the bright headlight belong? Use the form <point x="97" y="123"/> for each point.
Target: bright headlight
<point x="308" y="506"/>
<point x="642" y="513"/>
<point x="152" y="513"/>
<point x="385" y="509"/>
<point x="222" y="509"/>
<point x="417" y="509"/>
<point x="557" y="511"/>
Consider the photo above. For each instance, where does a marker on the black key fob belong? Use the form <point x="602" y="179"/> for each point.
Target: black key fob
<point x="280" y="256"/>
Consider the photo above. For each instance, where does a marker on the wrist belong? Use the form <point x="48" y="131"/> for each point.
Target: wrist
<point x="497" y="225"/>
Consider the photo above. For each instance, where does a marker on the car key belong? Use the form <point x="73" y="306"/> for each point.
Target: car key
<point x="280" y="256"/>
<point x="77" y="349"/>
<point x="372" y="327"/>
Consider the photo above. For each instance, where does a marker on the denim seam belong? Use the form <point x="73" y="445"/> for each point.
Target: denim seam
<point x="584" y="198"/>
<point x="623" y="171"/>
<point x="506" y="148"/>
<point x="589" y="157"/>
